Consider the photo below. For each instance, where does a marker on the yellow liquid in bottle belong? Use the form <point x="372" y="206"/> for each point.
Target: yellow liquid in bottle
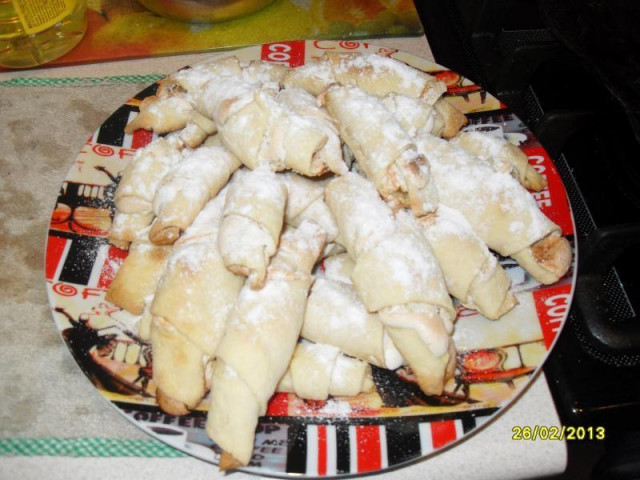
<point x="23" y="46"/>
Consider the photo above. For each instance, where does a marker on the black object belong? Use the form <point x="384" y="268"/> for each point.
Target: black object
<point x="571" y="70"/>
<point x="597" y="256"/>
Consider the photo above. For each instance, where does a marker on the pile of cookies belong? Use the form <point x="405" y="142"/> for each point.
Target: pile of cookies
<point x="291" y="227"/>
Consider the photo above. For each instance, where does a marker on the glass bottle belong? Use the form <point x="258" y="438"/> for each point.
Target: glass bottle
<point x="33" y="32"/>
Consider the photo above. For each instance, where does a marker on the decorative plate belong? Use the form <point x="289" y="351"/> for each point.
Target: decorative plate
<point x="395" y="425"/>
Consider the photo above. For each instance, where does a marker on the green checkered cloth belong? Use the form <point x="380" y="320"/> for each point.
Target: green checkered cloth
<point x="86" y="447"/>
<point x="79" y="81"/>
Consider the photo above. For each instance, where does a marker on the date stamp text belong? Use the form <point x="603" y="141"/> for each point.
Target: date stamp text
<point x="565" y="432"/>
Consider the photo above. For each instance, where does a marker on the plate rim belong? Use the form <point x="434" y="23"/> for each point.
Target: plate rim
<point x="499" y="409"/>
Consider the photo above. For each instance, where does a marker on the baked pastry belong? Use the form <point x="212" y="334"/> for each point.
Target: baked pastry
<point x="162" y="114"/>
<point x="381" y="77"/>
<point x="192" y="79"/>
<point x="178" y="368"/>
<point x="138" y="276"/>
<point x="336" y="316"/>
<point x="197" y="130"/>
<point x="288" y="132"/>
<point x="503" y="156"/>
<point x="251" y="224"/>
<point x="472" y="273"/>
<point x="375" y="74"/>
<point x="126" y="227"/>
<point x="261" y="335"/>
<point x="174" y="107"/>
<point x="500" y="210"/>
<point x="223" y="88"/>
<point x="383" y="149"/>
<point x="143" y="323"/>
<point x="413" y="115"/>
<point x="304" y="113"/>
<point x="305" y="201"/>
<point x="396" y="276"/>
<point x="337" y="267"/>
<point x="186" y="188"/>
<point x="452" y="118"/>
<point x="317" y="371"/>
<point x="401" y="280"/>
<point x="143" y="175"/>
<point x="190" y="308"/>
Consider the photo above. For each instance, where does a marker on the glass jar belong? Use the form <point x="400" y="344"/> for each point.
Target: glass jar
<point x="205" y="11"/>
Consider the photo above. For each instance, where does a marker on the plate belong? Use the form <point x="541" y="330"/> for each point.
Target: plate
<point x="397" y="424"/>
